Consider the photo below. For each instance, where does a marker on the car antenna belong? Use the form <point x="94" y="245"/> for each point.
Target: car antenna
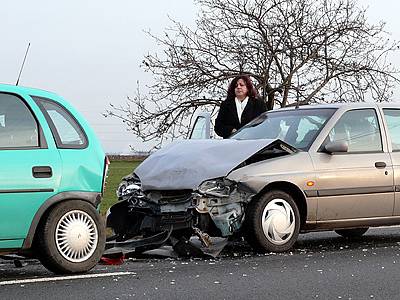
<point x="23" y="63"/>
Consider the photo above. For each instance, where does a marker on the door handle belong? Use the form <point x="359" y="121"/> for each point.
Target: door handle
<point x="380" y="164"/>
<point x="42" y="172"/>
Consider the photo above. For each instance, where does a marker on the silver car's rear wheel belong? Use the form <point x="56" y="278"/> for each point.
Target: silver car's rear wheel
<point x="272" y="222"/>
<point x="76" y="236"/>
<point x="278" y="221"/>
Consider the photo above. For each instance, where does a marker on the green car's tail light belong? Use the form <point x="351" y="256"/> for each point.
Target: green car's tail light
<point x="106" y="165"/>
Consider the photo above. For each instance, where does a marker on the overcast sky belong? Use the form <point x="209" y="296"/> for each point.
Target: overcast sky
<point x="89" y="51"/>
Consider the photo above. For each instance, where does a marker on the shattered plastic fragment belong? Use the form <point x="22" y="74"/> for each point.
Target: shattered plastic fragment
<point x="118" y="260"/>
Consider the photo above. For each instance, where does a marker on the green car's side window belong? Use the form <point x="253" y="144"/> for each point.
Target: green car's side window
<point x="67" y="132"/>
<point x="18" y="126"/>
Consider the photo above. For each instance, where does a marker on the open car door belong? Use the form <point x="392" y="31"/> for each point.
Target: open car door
<point x="201" y="128"/>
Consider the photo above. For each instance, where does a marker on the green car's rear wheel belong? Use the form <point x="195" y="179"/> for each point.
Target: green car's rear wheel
<point x="70" y="238"/>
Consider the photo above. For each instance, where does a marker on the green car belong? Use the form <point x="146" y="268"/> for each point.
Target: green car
<point x="52" y="176"/>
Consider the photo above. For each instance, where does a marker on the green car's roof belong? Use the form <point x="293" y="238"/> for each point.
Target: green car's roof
<point x="27" y="91"/>
<point x="30" y="91"/>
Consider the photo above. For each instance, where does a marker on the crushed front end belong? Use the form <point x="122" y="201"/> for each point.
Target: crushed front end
<point x="139" y="215"/>
<point x="175" y="194"/>
<point x="146" y="220"/>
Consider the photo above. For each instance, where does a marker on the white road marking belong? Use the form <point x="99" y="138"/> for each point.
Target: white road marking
<point x="72" y="277"/>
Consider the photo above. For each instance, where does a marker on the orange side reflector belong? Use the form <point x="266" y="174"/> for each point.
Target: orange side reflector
<point x="310" y="183"/>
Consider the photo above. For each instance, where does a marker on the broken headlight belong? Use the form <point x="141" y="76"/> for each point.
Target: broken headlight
<point x="129" y="184"/>
<point x="125" y="189"/>
<point x="217" y="187"/>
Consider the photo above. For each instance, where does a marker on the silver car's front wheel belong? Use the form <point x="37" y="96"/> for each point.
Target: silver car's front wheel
<point x="278" y="221"/>
<point x="272" y="222"/>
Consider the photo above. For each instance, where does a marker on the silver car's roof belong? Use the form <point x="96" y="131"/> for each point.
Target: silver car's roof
<point x="341" y="105"/>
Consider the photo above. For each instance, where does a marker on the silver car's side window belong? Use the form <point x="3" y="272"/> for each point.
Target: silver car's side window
<point x="392" y="117"/>
<point x="360" y="129"/>
<point x="18" y="127"/>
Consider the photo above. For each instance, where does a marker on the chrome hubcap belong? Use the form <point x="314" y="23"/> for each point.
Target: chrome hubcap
<point x="76" y="236"/>
<point x="278" y="221"/>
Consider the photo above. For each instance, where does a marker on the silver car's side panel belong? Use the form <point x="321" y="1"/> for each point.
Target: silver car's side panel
<point x="352" y="223"/>
<point x="295" y="168"/>
<point x="355" y="206"/>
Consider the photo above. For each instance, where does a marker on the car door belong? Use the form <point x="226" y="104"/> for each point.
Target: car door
<point x="357" y="183"/>
<point x="30" y="167"/>
<point x="201" y="127"/>
<point x="392" y="118"/>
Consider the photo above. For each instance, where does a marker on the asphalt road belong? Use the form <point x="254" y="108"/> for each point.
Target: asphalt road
<point x="321" y="266"/>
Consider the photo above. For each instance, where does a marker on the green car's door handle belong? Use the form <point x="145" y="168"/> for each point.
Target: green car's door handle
<point x="42" y="172"/>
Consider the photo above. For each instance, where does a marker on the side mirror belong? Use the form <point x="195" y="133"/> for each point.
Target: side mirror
<point x="337" y="146"/>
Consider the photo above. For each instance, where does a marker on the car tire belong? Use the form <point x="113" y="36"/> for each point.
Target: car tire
<point x="272" y="222"/>
<point x="70" y="238"/>
<point x="351" y="233"/>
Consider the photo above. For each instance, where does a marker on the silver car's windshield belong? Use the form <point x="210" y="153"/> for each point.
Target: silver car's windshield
<point x="297" y="127"/>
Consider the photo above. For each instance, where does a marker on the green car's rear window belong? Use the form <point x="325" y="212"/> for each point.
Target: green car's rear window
<point x="66" y="130"/>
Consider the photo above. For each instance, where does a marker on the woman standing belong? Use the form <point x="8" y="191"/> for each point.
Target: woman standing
<point x="239" y="108"/>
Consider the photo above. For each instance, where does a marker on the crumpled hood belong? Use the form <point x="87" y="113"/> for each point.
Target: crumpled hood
<point x="186" y="164"/>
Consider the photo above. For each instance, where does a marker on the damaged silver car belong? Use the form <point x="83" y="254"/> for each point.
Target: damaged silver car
<point x="289" y="171"/>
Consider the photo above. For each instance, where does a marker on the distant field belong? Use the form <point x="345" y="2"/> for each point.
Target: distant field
<point x="118" y="169"/>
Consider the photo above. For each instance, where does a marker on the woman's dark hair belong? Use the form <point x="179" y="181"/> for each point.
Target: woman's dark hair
<point x="251" y="90"/>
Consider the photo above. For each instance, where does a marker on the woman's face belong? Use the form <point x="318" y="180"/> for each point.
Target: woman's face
<point x="241" y="89"/>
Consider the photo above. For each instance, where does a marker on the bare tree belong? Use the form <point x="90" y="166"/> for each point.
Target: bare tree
<point x="296" y="51"/>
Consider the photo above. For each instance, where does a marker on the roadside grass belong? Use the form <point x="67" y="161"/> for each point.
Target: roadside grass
<point x="117" y="170"/>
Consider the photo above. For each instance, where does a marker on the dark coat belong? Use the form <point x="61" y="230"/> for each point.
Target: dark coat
<point x="227" y="118"/>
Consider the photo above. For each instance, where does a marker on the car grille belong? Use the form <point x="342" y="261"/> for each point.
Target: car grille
<point x="170" y="196"/>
